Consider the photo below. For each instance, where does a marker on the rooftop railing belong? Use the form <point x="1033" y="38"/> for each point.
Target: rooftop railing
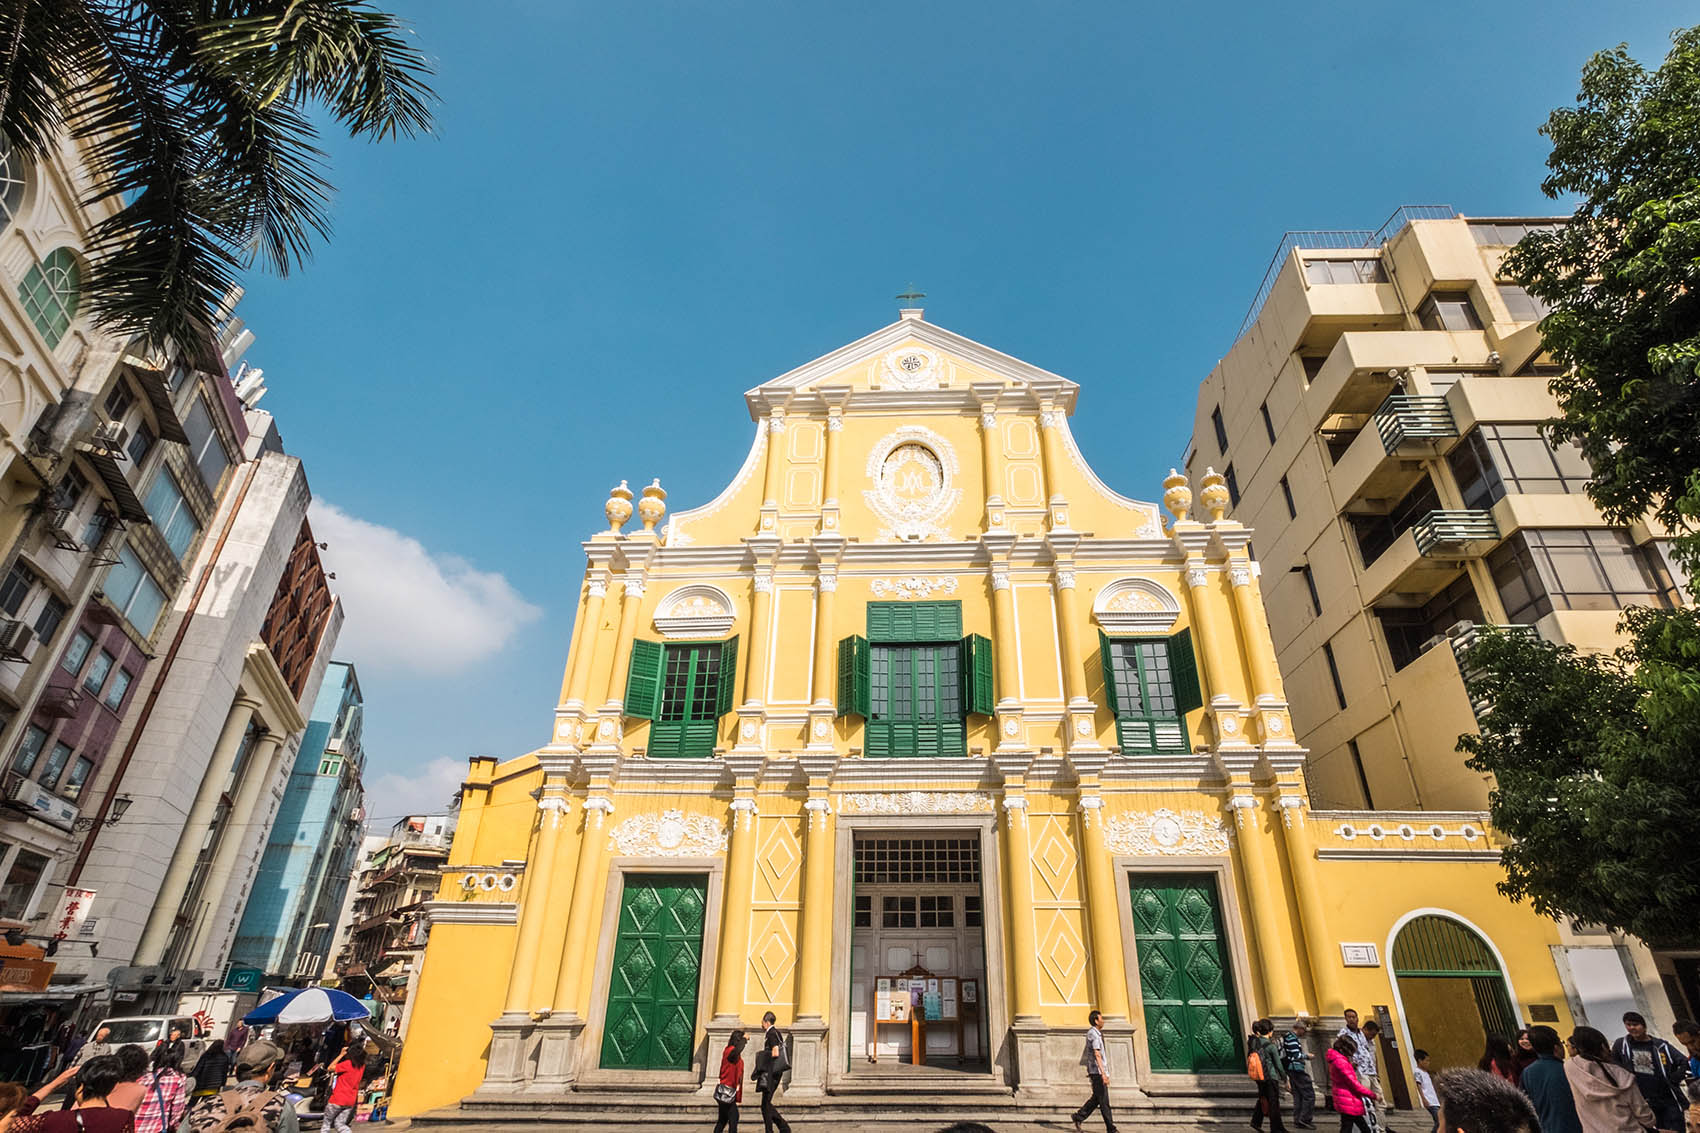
<point x="1405" y="417"/>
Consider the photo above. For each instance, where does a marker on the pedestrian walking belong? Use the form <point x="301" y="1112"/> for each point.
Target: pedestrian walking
<point x="210" y="1072"/>
<point x="1425" y="1089"/>
<point x="1297" y="1064"/>
<point x="1351" y="1097"/>
<point x="1363" y="1061"/>
<point x="1544" y="1081"/>
<point x="347" y="1069"/>
<point x="171" y="1051"/>
<point x="1268" y="1069"/>
<point x="1497" y="1059"/>
<point x="1659" y="1069"/>
<point x="249" y="1106"/>
<point x="729" y="1094"/>
<point x="1098" y="1073"/>
<point x="1473" y="1101"/>
<point x="1606" y="1096"/>
<point x="165" y="1095"/>
<point x="771" y="1065"/>
<point x="91" y="1109"/>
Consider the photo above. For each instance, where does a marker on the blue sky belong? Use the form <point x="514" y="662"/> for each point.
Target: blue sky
<point x="633" y="212"/>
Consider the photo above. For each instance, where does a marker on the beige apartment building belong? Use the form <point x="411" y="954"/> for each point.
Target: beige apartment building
<point x="1378" y="425"/>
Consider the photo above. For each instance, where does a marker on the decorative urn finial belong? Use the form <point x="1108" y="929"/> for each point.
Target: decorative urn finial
<point x="1177" y="494"/>
<point x="1214" y="494"/>
<point x="618" y="509"/>
<point x="653" y="505"/>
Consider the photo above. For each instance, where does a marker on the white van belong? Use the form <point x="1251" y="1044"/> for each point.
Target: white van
<point x="145" y="1031"/>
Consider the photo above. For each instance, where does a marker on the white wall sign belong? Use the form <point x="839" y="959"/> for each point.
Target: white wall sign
<point x="1359" y="955"/>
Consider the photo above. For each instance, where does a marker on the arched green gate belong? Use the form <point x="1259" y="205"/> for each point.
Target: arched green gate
<point x="1438" y="947"/>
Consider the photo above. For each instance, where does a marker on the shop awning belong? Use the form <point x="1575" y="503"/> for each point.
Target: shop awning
<point x="53" y="993"/>
<point x="118" y="487"/>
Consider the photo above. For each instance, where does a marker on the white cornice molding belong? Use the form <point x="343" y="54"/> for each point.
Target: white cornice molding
<point x="471" y="912"/>
<point x="784" y="389"/>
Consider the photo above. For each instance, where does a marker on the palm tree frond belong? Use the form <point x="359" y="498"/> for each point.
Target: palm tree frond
<point x="38" y="38"/>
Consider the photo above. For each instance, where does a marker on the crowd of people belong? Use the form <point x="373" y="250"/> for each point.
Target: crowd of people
<point x="1587" y="1084"/>
<point x="134" y="1090"/>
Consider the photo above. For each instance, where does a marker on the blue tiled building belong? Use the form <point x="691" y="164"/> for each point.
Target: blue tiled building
<point x="287" y="926"/>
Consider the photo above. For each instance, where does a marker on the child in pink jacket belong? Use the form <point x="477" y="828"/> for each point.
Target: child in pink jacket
<point x="1349" y="1093"/>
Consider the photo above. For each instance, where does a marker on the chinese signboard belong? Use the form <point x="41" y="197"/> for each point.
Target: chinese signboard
<point x="72" y="913"/>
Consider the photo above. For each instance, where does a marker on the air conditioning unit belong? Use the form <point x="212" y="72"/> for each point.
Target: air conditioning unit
<point x="15" y="638"/>
<point x="112" y="437"/>
<point x="1432" y="642"/>
<point x="1460" y="628"/>
<point x="334" y="747"/>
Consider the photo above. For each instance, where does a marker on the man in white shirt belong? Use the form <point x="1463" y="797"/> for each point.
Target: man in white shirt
<point x="1097" y="1071"/>
<point x="1364" y="1064"/>
<point x="1425" y="1088"/>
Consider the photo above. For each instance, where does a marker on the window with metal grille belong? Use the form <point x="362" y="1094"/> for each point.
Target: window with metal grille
<point x="925" y="861"/>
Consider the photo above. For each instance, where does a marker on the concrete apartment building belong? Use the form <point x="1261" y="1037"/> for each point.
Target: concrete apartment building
<point x="389" y="925"/>
<point x="304" y="877"/>
<point x="206" y="754"/>
<point x="1378" y="425"/>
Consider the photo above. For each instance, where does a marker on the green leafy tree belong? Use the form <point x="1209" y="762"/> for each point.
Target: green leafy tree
<point x="194" y="114"/>
<point x="1594" y="758"/>
<point x="1623" y="281"/>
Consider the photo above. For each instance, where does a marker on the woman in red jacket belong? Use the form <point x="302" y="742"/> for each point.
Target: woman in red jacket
<point x="1349" y="1094"/>
<point x="730" y="1091"/>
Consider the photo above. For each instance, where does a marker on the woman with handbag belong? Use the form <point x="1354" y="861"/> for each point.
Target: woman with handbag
<point x="771" y="1065"/>
<point x="730" y="1091"/>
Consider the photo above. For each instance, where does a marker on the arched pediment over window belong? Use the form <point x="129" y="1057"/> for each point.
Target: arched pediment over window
<point x="1136" y="605"/>
<point x="696" y="611"/>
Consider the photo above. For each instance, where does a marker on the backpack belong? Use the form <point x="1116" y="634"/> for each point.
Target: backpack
<point x="1254" y="1066"/>
<point x="243" y="1113"/>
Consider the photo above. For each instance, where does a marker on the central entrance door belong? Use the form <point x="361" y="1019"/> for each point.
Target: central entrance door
<point x="1186" y="985"/>
<point x="651" y="1022"/>
<point x="917" y="904"/>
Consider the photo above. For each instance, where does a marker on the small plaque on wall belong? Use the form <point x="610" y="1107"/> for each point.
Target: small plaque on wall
<point x="1543" y="1013"/>
<point x="1359" y="955"/>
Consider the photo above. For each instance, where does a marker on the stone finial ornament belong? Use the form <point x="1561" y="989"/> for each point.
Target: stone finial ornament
<point x="653" y="505"/>
<point x="1214" y="494"/>
<point x="618" y="509"/>
<point x="1177" y="494"/>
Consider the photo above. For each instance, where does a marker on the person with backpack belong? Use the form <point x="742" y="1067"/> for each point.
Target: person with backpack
<point x="1297" y="1065"/>
<point x="729" y="1092"/>
<point x="771" y="1065"/>
<point x="248" y="1107"/>
<point x="1659" y="1069"/>
<point x="1266" y="1067"/>
<point x="165" y="1095"/>
<point x="210" y="1073"/>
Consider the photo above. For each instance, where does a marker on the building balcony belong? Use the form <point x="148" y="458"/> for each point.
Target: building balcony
<point x="1385" y="462"/>
<point x="1423" y="560"/>
<point x="1355" y="377"/>
<point x="1414" y="421"/>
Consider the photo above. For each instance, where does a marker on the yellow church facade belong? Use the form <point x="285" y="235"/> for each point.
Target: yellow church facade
<point x="925" y="739"/>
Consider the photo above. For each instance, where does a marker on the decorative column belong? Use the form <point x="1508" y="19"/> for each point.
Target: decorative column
<point x="1051" y="450"/>
<point x="157" y="932"/>
<point x="1011" y="735"/>
<point x="511" y="1032"/>
<point x="1109" y="964"/>
<point x="735" y="904"/>
<point x="772" y="475"/>
<point x="1265" y="892"/>
<point x="259" y="772"/>
<point x="1212" y="637"/>
<point x="824" y="710"/>
<point x="1260" y="656"/>
<point x="557" y="1052"/>
<point x="577" y="680"/>
<point x="829" y="488"/>
<point x="991" y="454"/>
<point x="814" y="952"/>
<point x="1082" y="713"/>
<point x="1320" y="946"/>
<point x="1026" y="1025"/>
<point x="755" y="670"/>
<point x="611" y="727"/>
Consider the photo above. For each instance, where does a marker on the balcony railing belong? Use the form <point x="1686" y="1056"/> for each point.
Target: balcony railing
<point x="1447" y="530"/>
<point x="1466" y="637"/>
<point x="1408" y="417"/>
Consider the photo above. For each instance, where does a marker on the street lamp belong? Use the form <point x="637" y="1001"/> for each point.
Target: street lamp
<point x="113" y="814"/>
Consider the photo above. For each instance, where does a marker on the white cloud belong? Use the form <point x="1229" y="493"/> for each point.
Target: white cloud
<point x="423" y="790"/>
<point x="409" y="610"/>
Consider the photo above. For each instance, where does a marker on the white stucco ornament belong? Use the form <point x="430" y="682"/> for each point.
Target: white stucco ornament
<point x="921" y="802"/>
<point x="914" y="472"/>
<point x="695" y="611"/>
<point x="1136" y="605"/>
<point x="912" y="586"/>
<point x="1165" y="831"/>
<point x="910" y="368"/>
<point x="670" y="834"/>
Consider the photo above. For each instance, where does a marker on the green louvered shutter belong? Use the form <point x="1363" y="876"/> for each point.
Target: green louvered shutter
<point x="853" y="677"/>
<point x="914" y="622"/>
<point x="725" y="696"/>
<point x="643" y="681"/>
<point x="1183" y="667"/>
<point x="976" y="671"/>
<point x="1107" y="656"/>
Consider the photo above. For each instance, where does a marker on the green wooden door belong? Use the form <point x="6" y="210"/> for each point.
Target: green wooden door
<point x="651" y="1022"/>
<point x="1185" y="982"/>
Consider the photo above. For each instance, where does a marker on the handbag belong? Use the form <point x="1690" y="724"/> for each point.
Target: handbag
<point x="725" y="1094"/>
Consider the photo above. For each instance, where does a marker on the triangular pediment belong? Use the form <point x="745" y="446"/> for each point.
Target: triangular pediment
<point x="908" y="357"/>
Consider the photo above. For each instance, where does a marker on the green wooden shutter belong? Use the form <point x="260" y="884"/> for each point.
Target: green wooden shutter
<point x="643" y="681"/>
<point x="853" y="679"/>
<point x="914" y="621"/>
<point x="1183" y="668"/>
<point x="1107" y="657"/>
<point x="726" y="695"/>
<point x="975" y="669"/>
